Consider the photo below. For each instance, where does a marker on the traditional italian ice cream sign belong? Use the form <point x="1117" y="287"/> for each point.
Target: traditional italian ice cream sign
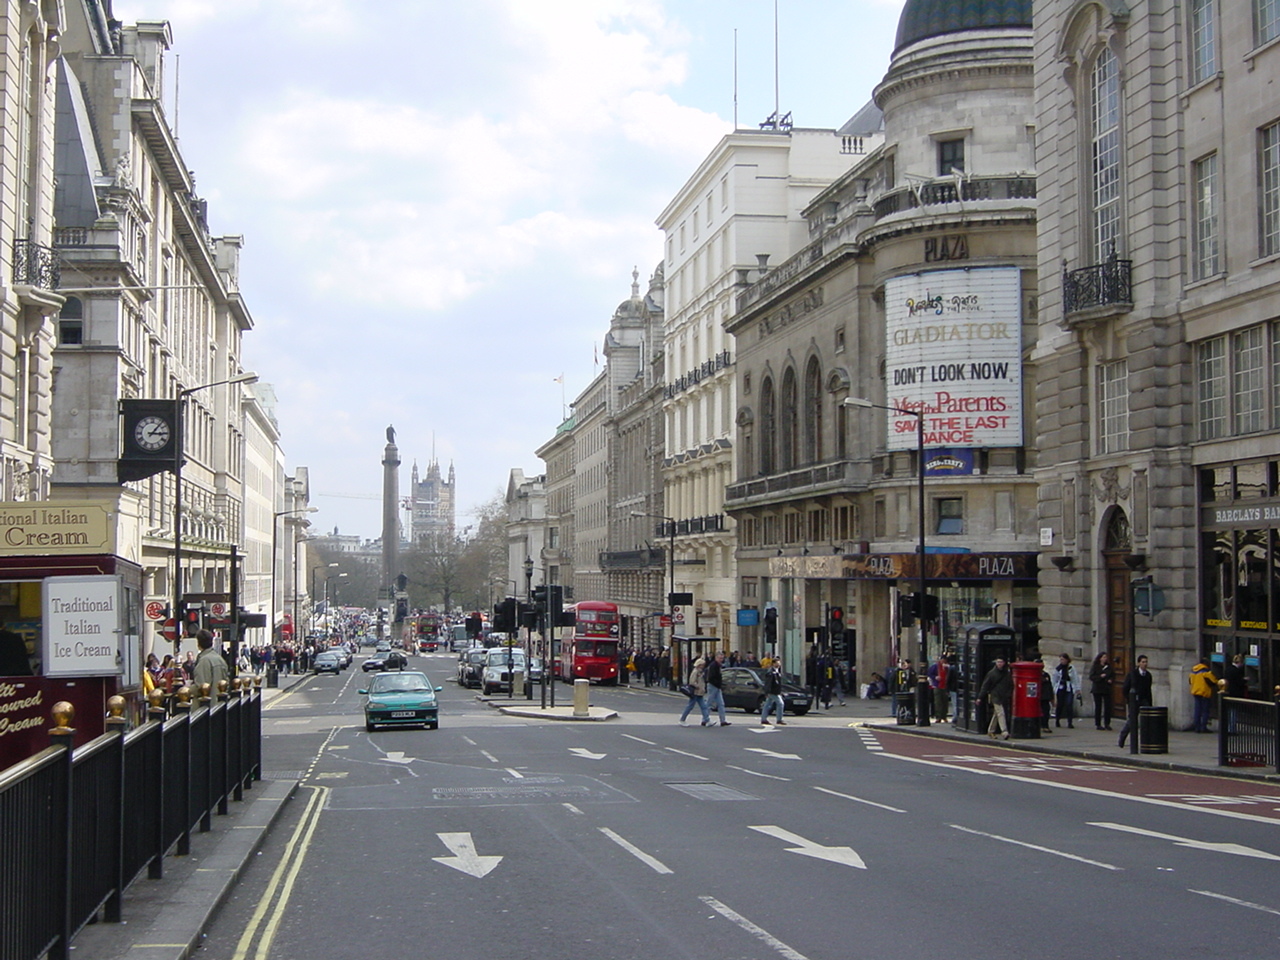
<point x="954" y="350"/>
<point x="54" y="527"/>
<point x="82" y="624"/>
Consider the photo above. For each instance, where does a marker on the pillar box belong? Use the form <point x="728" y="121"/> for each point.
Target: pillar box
<point x="1026" y="700"/>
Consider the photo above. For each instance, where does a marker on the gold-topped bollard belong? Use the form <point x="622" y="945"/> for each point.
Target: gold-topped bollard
<point x="63" y="713"/>
<point x="205" y="692"/>
<point x="246" y="684"/>
<point x="223" y="686"/>
<point x="182" y="699"/>
<point x="155" y="705"/>
<point x="257" y="683"/>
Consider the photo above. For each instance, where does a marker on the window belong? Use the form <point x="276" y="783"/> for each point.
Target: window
<point x="1113" y="406"/>
<point x="813" y="412"/>
<point x="768" y="427"/>
<point x="1204" y="228"/>
<point x="1269" y="175"/>
<point x="1248" y="356"/>
<point x="1204" y="41"/>
<point x="1266" y="20"/>
<point x="1211" y="387"/>
<point x="950" y="515"/>
<point x="1105" y="154"/>
<point x="789" y="423"/>
<point x="950" y="157"/>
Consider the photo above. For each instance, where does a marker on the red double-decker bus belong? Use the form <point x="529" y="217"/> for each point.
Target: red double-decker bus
<point x="592" y="653"/>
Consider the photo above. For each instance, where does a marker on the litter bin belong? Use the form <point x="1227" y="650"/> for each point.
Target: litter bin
<point x="273" y="676"/>
<point x="1153" y="729"/>
<point x="904" y="707"/>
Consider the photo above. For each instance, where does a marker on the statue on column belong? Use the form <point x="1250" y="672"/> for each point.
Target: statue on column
<point x="391" y="434"/>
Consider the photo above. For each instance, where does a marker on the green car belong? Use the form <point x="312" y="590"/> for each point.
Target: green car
<point x="397" y="699"/>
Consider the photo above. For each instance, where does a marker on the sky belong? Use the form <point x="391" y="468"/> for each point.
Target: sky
<point x="443" y="202"/>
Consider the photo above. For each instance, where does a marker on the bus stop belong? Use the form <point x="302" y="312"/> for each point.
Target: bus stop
<point x="685" y="651"/>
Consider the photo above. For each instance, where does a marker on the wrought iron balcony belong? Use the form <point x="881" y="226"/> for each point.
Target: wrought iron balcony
<point x="713" y="523"/>
<point x="35" y="265"/>
<point x="1106" y="284"/>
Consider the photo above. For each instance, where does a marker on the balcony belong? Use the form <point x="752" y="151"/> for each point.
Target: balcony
<point x="837" y="474"/>
<point x="1108" y="284"/>
<point x="655" y="558"/>
<point x="35" y="265"/>
<point x="714" y="523"/>
<point x="972" y="189"/>
<point x="721" y="361"/>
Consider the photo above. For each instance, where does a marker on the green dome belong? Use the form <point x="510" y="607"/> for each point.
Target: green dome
<point x="922" y="19"/>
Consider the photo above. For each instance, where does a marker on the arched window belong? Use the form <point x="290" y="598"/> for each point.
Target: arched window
<point x="812" y="412"/>
<point x="789" y="423"/>
<point x="1106" y="154"/>
<point x="768" y="428"/>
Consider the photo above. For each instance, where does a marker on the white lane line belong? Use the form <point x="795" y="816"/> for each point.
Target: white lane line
<point x="1091" y="791"/>
<point x="684" y="753"/>
<point x="469" y="740"/>
<point x="1034" y="846"/>
<point x="640" y="739"/>
<point x="488" y="756"/>
<point x="756" y="931"/>
<point x="1238" y="903"/>
<point x="869" y="803"/>
<point x="572" y="809"/>
<point x="653" y="862"/>
<point x="515" y="773"/>
<point x="757" y="773"/>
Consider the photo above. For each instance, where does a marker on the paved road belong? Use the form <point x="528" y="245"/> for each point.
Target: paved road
<point x="638" y="838"/>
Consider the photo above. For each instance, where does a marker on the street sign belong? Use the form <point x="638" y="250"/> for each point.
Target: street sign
<point x="170" y="629"/>
<point x="664" y="622"/>
<point x="218" y="611"/>
<point x="677" y="614"/>
<point x="155" y="610"/>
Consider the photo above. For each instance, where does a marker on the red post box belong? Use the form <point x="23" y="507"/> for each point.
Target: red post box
<point x="1026" y="700"/>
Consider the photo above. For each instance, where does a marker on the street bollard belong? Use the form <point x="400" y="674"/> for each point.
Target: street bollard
<point x="922" y="702"/>
<point x="581" y="698"/>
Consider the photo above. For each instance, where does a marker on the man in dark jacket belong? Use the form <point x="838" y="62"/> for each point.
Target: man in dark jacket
<point x="1137" y="693"/>
<point x="715" y="693"/>
<point x="997" y="687"/>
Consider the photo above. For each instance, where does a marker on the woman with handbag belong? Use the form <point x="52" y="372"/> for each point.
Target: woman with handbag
<point x="695" y="689"/>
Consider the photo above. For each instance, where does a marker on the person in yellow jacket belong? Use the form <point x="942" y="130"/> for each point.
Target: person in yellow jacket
<point x="1203" y="686"/>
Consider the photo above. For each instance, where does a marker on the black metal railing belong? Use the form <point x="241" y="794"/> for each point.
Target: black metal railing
<point x="35" y="264"/>
<point x="713" y="523"/>
<point x="1109" y="283"/>
<point x="721" y="361"/>
<point x="81" y="825"/>
<point x="1249" y="733"/>
<point x="836" y="472"/>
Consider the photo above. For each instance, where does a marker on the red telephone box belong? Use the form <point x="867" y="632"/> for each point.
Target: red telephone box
<point x="1026" y="700"/>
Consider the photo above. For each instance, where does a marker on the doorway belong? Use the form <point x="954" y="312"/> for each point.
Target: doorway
<point x="1118" y="641"/>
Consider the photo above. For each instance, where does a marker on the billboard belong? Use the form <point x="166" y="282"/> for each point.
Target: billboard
<point x="953" y="349"/>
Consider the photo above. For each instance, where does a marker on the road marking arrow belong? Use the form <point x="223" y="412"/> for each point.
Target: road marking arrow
<point x="587" y="754"/>
<point x="465" y="858"/>
<point x="1233" y="848"/>
<point x="770" y="753"/>
<point x="396" y="756"/>
<point x="807" y="848"/>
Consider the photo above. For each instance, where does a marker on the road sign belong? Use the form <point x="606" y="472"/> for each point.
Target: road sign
<point x="218" y="611"/>
<point x="664" y="621"/>
<point x="170" y="629"/>
<point x="677" y="614"/>
<point x="155" y="610"/>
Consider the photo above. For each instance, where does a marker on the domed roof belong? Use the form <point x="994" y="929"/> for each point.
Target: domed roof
<point x="922" y="19"/>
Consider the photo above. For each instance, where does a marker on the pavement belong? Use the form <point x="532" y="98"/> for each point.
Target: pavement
<point x="166" y="919"/>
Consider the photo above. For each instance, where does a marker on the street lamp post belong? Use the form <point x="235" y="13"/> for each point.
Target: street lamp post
<point x="275" y="525"/>
<point x="922" y="606"/>
<point x="180" y="403"/>
<point x="671" y="567"/>
<point x="528" y="632"/>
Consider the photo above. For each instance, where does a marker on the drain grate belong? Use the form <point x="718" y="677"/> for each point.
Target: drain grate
<point x="711" y="791"/>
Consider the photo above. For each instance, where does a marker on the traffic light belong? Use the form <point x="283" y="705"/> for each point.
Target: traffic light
<point x="402" y="608"/>
<point x="906" y="609"/>
<point x="528" y="615"/>
<point x="474" y="626"/>
<point x="540" y="599"/>
<point x="771" y="625"/>
<point x="931" y="607"/>
<point x="192" y="619"/>
<point x="504" y="615"/>
<point x="835" y="622"/>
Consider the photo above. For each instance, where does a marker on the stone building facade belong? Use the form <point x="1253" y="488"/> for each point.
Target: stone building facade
<point x="915" y="290"/>
<point x="1158" y="400"/>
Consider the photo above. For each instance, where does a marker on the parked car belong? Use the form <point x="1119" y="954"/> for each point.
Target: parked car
<point x="499" y="666"/>
<point x="470" y="666"/>
<point x="327" y="661"/>
<point x="405" y="698"/>
<point x="744" y="688"/>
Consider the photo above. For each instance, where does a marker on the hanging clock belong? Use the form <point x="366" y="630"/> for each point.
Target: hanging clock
<point x="152" y="433"/>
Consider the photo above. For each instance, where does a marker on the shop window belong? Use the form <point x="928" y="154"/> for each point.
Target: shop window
<point x="1253" y="480"/>
<point x="1219" y="582"/>
<point x="950" y="515"/>
<point x="1251" y="579"/>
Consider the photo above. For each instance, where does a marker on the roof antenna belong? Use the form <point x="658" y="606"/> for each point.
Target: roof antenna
<point x="735" y="78"/>
<point x="777" y="100"/>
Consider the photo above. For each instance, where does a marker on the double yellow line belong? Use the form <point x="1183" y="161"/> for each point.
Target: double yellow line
<point x="275" y="899"/>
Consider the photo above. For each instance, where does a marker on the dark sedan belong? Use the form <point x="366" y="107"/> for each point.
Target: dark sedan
<point x="744" y="688"/>
<point x="327" y="661"/>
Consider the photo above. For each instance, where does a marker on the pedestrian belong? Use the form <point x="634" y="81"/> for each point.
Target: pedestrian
<point x="696" y="690"/>
<point x="1102" y="677"/>
<point x="1203" y="686"/>
<point x="997" y="688"/>
<point x="877" y="688"/>
<point x="1046" y="696"/>
<point x="1237" y="687"/>
<point x="772" y="694"/>
<point x="210" y="666"/>
<point x="939" y="678"/>
<point x="1137" y="694"/>
<point x="715" y="693"/>
<point x="1066" y="685"/>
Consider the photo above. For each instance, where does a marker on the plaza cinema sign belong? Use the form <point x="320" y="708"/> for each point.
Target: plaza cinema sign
<point x="953" y="349"/>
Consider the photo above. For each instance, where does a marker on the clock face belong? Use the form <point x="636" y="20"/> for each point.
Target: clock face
<point x="152" y="433"/>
